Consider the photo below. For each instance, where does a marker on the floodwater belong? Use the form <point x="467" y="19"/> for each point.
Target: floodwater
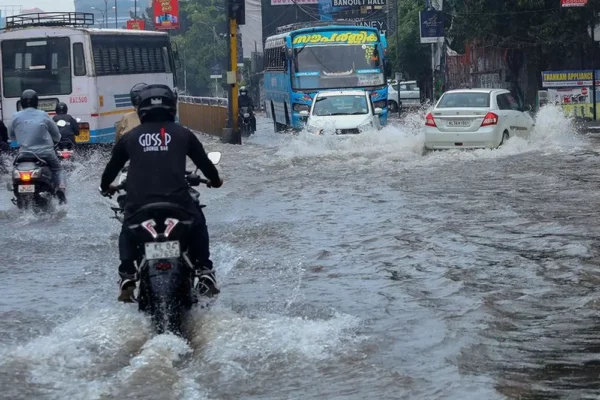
<point x="350" y="268"/>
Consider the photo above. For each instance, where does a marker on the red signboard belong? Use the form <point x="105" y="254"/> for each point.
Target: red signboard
<point x="573" y="3"/>
<point x="166" y="14"/>
<point x="138" y="24"/>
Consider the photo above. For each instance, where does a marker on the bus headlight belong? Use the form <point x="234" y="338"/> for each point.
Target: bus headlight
<point x="380" y="104"/>
<point x="300" y="107"/>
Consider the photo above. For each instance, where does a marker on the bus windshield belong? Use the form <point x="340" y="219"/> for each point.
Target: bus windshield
<point x="41" y="64"/>
<point x="337" y="66"/>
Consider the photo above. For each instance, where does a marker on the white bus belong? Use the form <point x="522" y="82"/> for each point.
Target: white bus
<point x="91" y="70"/>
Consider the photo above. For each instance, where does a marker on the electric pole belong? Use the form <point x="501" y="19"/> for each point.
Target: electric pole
<point x="236" y="15"/>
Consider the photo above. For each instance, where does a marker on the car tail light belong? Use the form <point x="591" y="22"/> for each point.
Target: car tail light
<point x="25" y="176"/>
<point x="490" y="119"/>
<point x="429" y="121"/>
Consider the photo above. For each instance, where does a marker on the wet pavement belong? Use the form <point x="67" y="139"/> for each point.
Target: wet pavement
<point x="350" y="268"/>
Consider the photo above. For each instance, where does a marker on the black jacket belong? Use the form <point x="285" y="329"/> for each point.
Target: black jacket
<point x="245" y="101"/>
<point x="157" y="152"/>
<point x="69" y="131"/>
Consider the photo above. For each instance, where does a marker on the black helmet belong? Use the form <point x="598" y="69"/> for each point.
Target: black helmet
<point x="157" y="102"/>
<point x="135" y="92"/>
<point x="29" y="98"/>
<point x="61" y="108"/>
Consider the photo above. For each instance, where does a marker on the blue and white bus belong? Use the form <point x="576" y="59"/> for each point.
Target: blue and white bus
<point x="301" y="62"/>
<point x="91" y="70"/>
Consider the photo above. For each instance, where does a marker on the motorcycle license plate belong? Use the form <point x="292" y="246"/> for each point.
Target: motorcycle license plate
<point x="26" y="189"/>
<point x="160" y="250"/>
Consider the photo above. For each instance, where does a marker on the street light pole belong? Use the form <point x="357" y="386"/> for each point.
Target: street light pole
<point x="116" y="20"/>
<point x="398" y="57"/>
<point x="106" y="13"/>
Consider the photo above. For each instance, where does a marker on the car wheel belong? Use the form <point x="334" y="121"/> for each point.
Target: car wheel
<point x="505" y="137"/>
<point x="392" y="106"/>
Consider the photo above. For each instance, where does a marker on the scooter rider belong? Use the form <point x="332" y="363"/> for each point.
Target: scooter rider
<point x="246" y="101"/>
<point x="71" y="127"/>
<point x="37" y="133"/>
<point x="131" y="119"/>
<point x="156" y="151"/>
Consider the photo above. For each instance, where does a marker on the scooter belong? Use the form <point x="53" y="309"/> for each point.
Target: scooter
<point x="166" y="275"/>
<point x="32" y="183"/>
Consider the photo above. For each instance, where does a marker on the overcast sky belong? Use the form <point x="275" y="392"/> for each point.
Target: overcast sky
<point x="251" y="32"/>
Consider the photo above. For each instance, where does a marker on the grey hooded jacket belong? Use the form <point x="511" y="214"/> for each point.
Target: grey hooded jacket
<point x="35" y="131"/>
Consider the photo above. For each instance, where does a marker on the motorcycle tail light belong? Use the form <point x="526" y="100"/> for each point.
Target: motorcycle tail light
<point x="163" y="266"/>
<point x="25" y="176"/>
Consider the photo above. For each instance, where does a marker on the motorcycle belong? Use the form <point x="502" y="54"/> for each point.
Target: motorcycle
<point x="245" y="123"/>
<point x="166" y="275"/>
<point x="32" y="183"/>
<point x="64" y="149"/>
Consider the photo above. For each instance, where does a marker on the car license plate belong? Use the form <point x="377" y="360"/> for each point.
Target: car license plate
<point x="459" y="123"/>
<point x="160" y="250"/>
<point x="26" y="189"/>
<point x="84" y="136"/>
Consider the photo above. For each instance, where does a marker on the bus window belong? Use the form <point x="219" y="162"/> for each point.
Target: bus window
<point x="41" y="64"/>
<point x="78" y="60"/>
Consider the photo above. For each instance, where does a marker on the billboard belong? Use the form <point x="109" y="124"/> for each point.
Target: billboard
<point x="138" y="24"/>
<point x="569" y="78"/>
<point x="573" y="3"/>
<point x="292" y="2"/>
<point x="166" y="14"/>
<point x="432" y="26"/>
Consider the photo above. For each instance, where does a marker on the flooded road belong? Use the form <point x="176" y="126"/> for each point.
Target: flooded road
<point x="350" y="268"/>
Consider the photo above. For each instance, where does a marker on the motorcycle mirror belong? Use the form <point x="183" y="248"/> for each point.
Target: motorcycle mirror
<point x="214" y="157"/>
<point x="61" y="123"/>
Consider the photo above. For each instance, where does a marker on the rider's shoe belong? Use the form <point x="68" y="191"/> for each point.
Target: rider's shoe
<point x="127" y="287"/>
<point x="62" y="198"/>
<point x="127" y="272"/>
<point x="207" y="282"/>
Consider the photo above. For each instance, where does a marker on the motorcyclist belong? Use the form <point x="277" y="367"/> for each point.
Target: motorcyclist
<point x="131" y="119"/>
<point x="71" y="127"/>
<point x="246" y="101"/>
<point x="157" y="173"/>
<point x="37" y="133"/>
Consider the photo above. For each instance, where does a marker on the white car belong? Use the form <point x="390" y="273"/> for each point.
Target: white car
<point x="475" y="118"/>
<point x="342" y="112"/>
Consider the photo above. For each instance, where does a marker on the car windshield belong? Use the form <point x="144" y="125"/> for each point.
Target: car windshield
<point x="41" y="64"/>
<point x="341" y="105"/>
<point x="337" y="66"/>
<point x="464" y="100"/>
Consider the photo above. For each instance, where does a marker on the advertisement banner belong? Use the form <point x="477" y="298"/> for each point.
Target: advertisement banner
<point x="432" y="26"/>
<point x="569" y="78"/>
<point x="292" y="2"/>
<point x="573" y="3"/>
<point x="137" y="24"/>
<point x="166" y="14"/>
